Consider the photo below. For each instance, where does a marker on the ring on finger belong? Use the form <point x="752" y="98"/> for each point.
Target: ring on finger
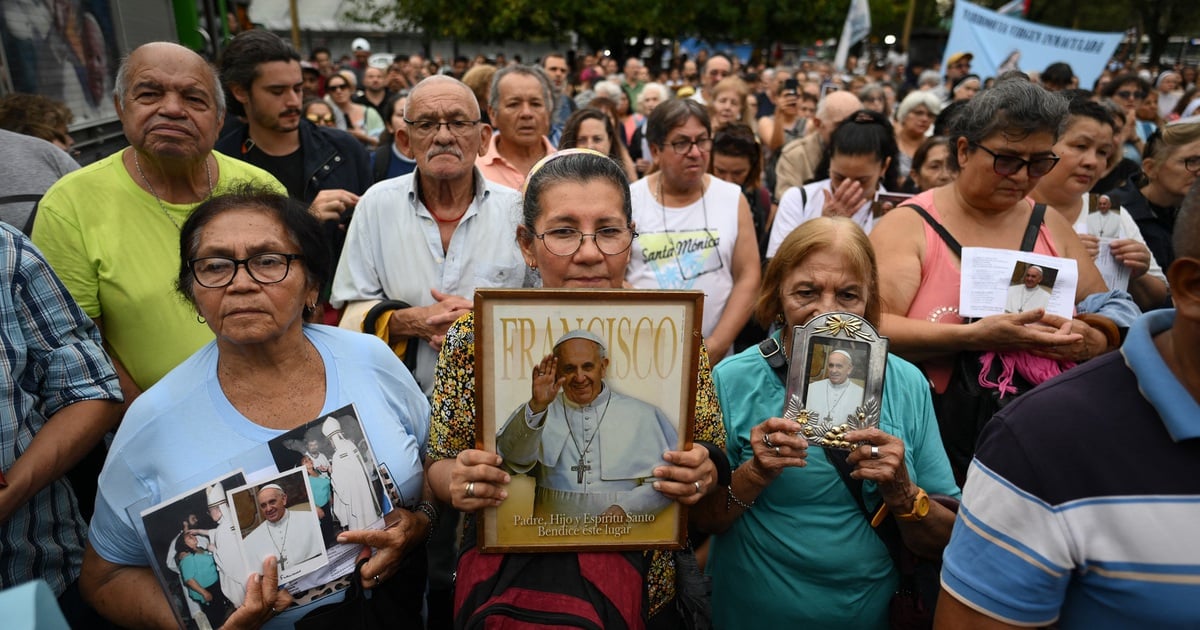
<point x="874" y="452"/>
<point x="777" y="451"/>
<point x="470" y="489"/>
<point x="699" y="488"/>
<point x="377" y="580"/>
<point x="767" y="441"/>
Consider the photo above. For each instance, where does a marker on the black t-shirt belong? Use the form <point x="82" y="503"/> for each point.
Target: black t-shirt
<point x="288" y="169"/>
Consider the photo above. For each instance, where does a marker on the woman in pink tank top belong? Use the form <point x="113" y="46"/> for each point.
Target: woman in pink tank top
<point x="1001" y="144"/>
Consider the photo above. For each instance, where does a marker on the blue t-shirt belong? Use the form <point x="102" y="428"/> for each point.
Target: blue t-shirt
<point x="804" y="555"/>
<point x="183" y="432"/>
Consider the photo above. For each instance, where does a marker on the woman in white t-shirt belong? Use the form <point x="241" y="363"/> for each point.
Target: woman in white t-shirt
<point x="694" y="230"/>
<point x="862" y="151"/>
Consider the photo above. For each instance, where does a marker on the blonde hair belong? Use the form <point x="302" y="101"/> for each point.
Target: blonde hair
<point x="742" y="90"/>
<point x="838" y="234"/>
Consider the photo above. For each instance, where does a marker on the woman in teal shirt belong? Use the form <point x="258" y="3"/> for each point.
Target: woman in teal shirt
<point x="199" y="573"/>
<point x="802" y="553"/>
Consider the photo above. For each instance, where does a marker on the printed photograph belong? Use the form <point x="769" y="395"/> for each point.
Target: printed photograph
<point x="277" y="517"/>
<point x="1030" y="287"/>
<point x="197" y="549"/>
<point x="341" y="471"/>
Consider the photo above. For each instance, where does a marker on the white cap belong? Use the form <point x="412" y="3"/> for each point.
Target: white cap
<point x="582" y="334"/>
<point x="216" y="495"/>
<point x="330" y="426"/>
<point x="360" y="44"/>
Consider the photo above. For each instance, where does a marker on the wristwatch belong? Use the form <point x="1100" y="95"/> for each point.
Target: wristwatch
<point x="920" y="508"/>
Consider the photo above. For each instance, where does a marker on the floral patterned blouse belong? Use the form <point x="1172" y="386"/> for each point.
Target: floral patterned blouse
<point x="453" y="428"/>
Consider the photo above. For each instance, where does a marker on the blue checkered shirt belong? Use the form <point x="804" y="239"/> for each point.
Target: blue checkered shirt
<point x="50" y="357"/>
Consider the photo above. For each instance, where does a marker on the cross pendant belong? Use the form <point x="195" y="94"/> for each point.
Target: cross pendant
<point x="579" y="470"/>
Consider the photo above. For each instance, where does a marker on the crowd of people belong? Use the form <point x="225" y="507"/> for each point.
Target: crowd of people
<point x="286" y="235"/>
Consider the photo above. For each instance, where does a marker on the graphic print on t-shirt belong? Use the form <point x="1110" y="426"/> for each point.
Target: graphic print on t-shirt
<point x="679" y="258"/>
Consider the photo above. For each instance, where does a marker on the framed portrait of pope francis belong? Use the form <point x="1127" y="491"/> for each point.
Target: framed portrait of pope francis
<point x="581" y="393"/>
<point x="835" y="379"/>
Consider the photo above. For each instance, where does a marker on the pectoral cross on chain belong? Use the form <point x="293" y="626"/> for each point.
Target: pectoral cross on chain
<point x="579" y="470"/>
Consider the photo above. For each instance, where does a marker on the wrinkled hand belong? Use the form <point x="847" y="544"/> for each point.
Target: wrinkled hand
<point x="677" y="480"/>
<point x="889" y="470"/>
<point x="1091" y="244"/>
<point x="480" y="470"/>
<point x="390" y="545"/>
<point x="844" y="201"/>
<point x="1132" y="254"/>
<point x="330" y="204"/>
<point x="1091" y="342"/>
<point x="264" y="599"/>
<point x="1031" y="330"/>
<point x="546" y="384"/>
<point x="787" y="447"/>
<point x="443" y="313"/>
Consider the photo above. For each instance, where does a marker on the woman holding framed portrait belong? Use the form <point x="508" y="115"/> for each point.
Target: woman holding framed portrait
<point x="577" y="231"/>
<point x="798" y="511"/>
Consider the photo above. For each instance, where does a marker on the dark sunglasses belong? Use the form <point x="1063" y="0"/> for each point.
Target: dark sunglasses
<point x="338" y="87"/>
<point x="1006" y="165"/>
<point x="1128" y="94"/>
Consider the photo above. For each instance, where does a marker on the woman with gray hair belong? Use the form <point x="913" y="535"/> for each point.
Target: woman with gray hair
<point x="1001" y="145"/>
<point x="914" y="119"/>
<point x="694" y="231"/>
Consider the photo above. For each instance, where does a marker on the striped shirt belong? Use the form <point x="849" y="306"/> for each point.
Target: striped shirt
<point x="1082" y="504"/>
<point x="50" y="357"/>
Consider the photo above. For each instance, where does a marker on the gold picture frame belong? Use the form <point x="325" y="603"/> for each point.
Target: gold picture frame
<point x="566" y="462"/>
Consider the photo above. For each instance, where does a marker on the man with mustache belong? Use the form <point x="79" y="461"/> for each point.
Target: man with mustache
<point x="421" y="243"/>
<point x="519" y="104"/>
<point x="320" y="166"/>
<point x="111" y="230"/>
<point x="419" y="246"/>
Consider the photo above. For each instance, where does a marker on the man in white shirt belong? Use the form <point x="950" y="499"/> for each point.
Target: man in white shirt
<point x="423" y="242"/>
<point x="1029" y="294"/>
<point x="597" y="448"/>
<point x="835" y="397"/>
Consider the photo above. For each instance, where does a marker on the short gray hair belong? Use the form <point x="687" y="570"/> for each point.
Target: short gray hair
<point x="121" y="86"/>
<point x="1016" y="109"/>
<point x="529" y="71"/>
<point x="915" y="99"/>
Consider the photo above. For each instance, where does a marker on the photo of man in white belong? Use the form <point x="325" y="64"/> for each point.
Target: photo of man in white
<point x="594" y="449"/>
<point x="293" y="538"/>
<point x="1029" y="294"/>
<point x="836" y="396"/>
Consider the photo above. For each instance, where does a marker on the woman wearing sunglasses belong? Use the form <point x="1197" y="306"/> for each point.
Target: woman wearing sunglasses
<point x="1001" y="144"/>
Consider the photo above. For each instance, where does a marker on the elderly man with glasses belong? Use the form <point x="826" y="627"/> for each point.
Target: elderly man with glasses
<point x="421" y="243"/>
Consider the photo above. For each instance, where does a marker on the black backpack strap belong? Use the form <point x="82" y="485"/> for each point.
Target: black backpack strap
<point x="1036" y="218"/>
<point x="950" y="241"/>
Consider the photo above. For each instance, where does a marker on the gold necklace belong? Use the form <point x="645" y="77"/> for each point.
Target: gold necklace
<point x="207" y="175"/>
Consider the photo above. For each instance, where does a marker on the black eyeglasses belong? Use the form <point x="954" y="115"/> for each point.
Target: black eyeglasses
<point x="217" y="272"/>
<point x="1006" y="165"/>
<point x="338" y="87"/>
<point x="1128" y="94"/>
<point x="683" y="145"/>
<point x="430" y="127"/>
<point x="566" y="241"/>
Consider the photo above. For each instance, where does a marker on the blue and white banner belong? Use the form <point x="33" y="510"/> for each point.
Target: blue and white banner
<point x="857" y="27"/>
<point x="1002" y="43"/>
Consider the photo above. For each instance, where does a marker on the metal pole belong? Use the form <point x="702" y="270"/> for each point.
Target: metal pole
<point x="908" y="22"/>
